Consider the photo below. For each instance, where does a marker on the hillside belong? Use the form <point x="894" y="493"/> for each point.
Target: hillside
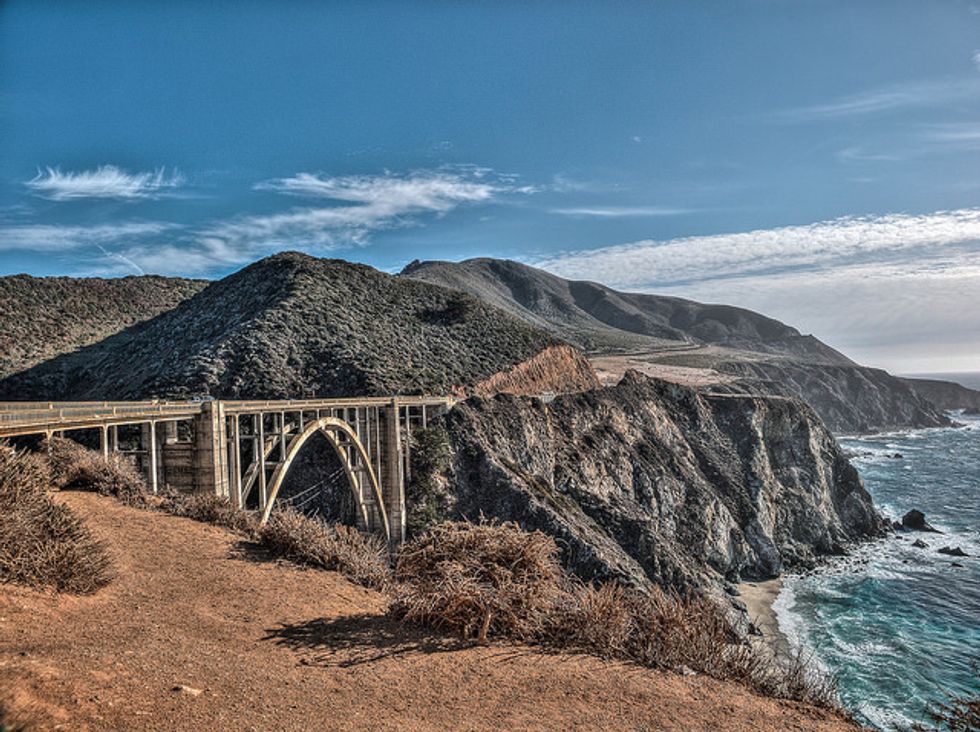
<point x="295" y="326"/>
<point x="44" y="317"/>
<point x="599" y="319"/>
<point x="713" y="346"/>
<point x="199" y="632"/>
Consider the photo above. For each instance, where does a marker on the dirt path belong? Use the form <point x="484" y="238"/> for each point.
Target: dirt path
<point x="273" y="647"/>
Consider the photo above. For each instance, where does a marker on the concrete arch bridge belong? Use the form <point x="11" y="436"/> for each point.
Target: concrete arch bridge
<point x="243" y="450"/>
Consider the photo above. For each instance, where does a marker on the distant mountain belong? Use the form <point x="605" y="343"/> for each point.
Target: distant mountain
<point x="765" y="355"/>
<point x="44" y="317"/>
<point x="599" y="319"/>
<point x="295" y="326"/>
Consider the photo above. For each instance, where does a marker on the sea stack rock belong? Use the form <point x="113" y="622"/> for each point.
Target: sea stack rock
<point x="916" y="521"/>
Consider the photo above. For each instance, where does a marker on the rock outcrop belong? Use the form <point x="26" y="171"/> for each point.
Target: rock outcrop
<point x="557" y="369"/>
<point x="849" y="399"/>
<point x="650" y="481"/>
<point x="946" y="394"/>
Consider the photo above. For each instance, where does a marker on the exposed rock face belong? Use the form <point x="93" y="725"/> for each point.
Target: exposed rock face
<point x="558" y="369"/>
<point x="916" y="521"/>
<point x="650" y="481"/>
<point x="293" y="326"/>
<point x="849" y="399"/>
<point x="946" y="394"/>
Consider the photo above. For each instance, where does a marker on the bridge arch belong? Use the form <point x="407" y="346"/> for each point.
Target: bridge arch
<point x="357" y="466"/>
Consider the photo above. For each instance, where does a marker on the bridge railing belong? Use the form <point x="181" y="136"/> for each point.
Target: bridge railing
<point x="26" y="417"/>
<point x="63" y="415"/>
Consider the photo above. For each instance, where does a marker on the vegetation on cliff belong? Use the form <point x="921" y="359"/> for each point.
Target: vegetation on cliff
<point x="497" y="581"/>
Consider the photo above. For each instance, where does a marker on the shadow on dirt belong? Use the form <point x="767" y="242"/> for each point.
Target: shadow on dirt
<point x="358" y="639"/>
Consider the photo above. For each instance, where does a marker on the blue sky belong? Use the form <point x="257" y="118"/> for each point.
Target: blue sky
<point x="817" y="161"/>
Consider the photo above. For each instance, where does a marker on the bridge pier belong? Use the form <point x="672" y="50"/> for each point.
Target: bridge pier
<point x="392" y="473"/>
<point x="210" y="454"/>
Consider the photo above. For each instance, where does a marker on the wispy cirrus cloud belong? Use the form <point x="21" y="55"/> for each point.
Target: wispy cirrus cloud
<point x="349" y="210"/>
<point x="44" y="238"/>
<point x="725" y="256"/>
<point x="364" y="204"/>
<point x="106" y="181"/>
<point x="608" y="212"/>
<point x="886" y="99"/>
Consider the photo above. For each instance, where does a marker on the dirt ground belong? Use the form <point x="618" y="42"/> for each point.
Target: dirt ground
<point x="199" y="632"/>
<point x="610" y="370"/>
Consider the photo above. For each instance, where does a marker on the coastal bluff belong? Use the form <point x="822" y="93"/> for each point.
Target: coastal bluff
<point x="652" y="482"/>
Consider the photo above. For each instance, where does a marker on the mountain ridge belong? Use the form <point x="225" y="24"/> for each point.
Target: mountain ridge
<point x="292" y="326"/>
<point x="735" y="347"/>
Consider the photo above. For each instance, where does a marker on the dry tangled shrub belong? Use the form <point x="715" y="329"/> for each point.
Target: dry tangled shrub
<point x="77" y="468"/>
<point x="210" y="509"/>
<point x="307" y="540"/>
<point x="42" y="543"/>
<point x="957" y="713"/>
<point x="478" y="580"/>
<point x="497" y="580"/>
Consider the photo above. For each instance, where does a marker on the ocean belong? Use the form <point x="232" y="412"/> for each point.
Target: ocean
<point x="899" y="626"/>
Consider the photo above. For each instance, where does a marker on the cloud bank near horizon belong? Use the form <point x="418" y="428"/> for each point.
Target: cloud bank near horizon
<point x="883" y="286"/>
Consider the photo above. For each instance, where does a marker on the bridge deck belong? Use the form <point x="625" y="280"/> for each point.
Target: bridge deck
<point x="26" y="418"/>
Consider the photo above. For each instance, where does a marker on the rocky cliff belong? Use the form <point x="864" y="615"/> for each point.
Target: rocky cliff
<point x="946" y="394"/>
<point x="651" y="481"/>
<point x="849" y="399"/>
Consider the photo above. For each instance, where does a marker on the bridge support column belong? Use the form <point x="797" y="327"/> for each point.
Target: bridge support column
<point x="152" y="459"/>
<point x="210" y="462"/>
<point x="235" y="476"/>
<point x="393" y="476"/>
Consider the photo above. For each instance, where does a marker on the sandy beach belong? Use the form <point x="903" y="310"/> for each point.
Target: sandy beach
<point x="758" y="598"/>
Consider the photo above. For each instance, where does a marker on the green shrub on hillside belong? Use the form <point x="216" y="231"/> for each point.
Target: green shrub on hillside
<point x="427" y="501"/>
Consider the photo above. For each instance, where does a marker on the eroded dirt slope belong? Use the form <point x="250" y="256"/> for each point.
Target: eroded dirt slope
<point x="269" y="646"/>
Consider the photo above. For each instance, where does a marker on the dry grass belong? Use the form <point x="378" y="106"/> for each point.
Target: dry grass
<point x="478" y="580"/>
<point x="42" y="543"/>
<point x="306" y="540"/>
<point x="75" y="467"/>
<point x="496" y="580"/>
<point x="210" y="509"/>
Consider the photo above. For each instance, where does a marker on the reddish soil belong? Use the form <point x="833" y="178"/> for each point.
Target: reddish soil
<point x="270" y="646"/>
